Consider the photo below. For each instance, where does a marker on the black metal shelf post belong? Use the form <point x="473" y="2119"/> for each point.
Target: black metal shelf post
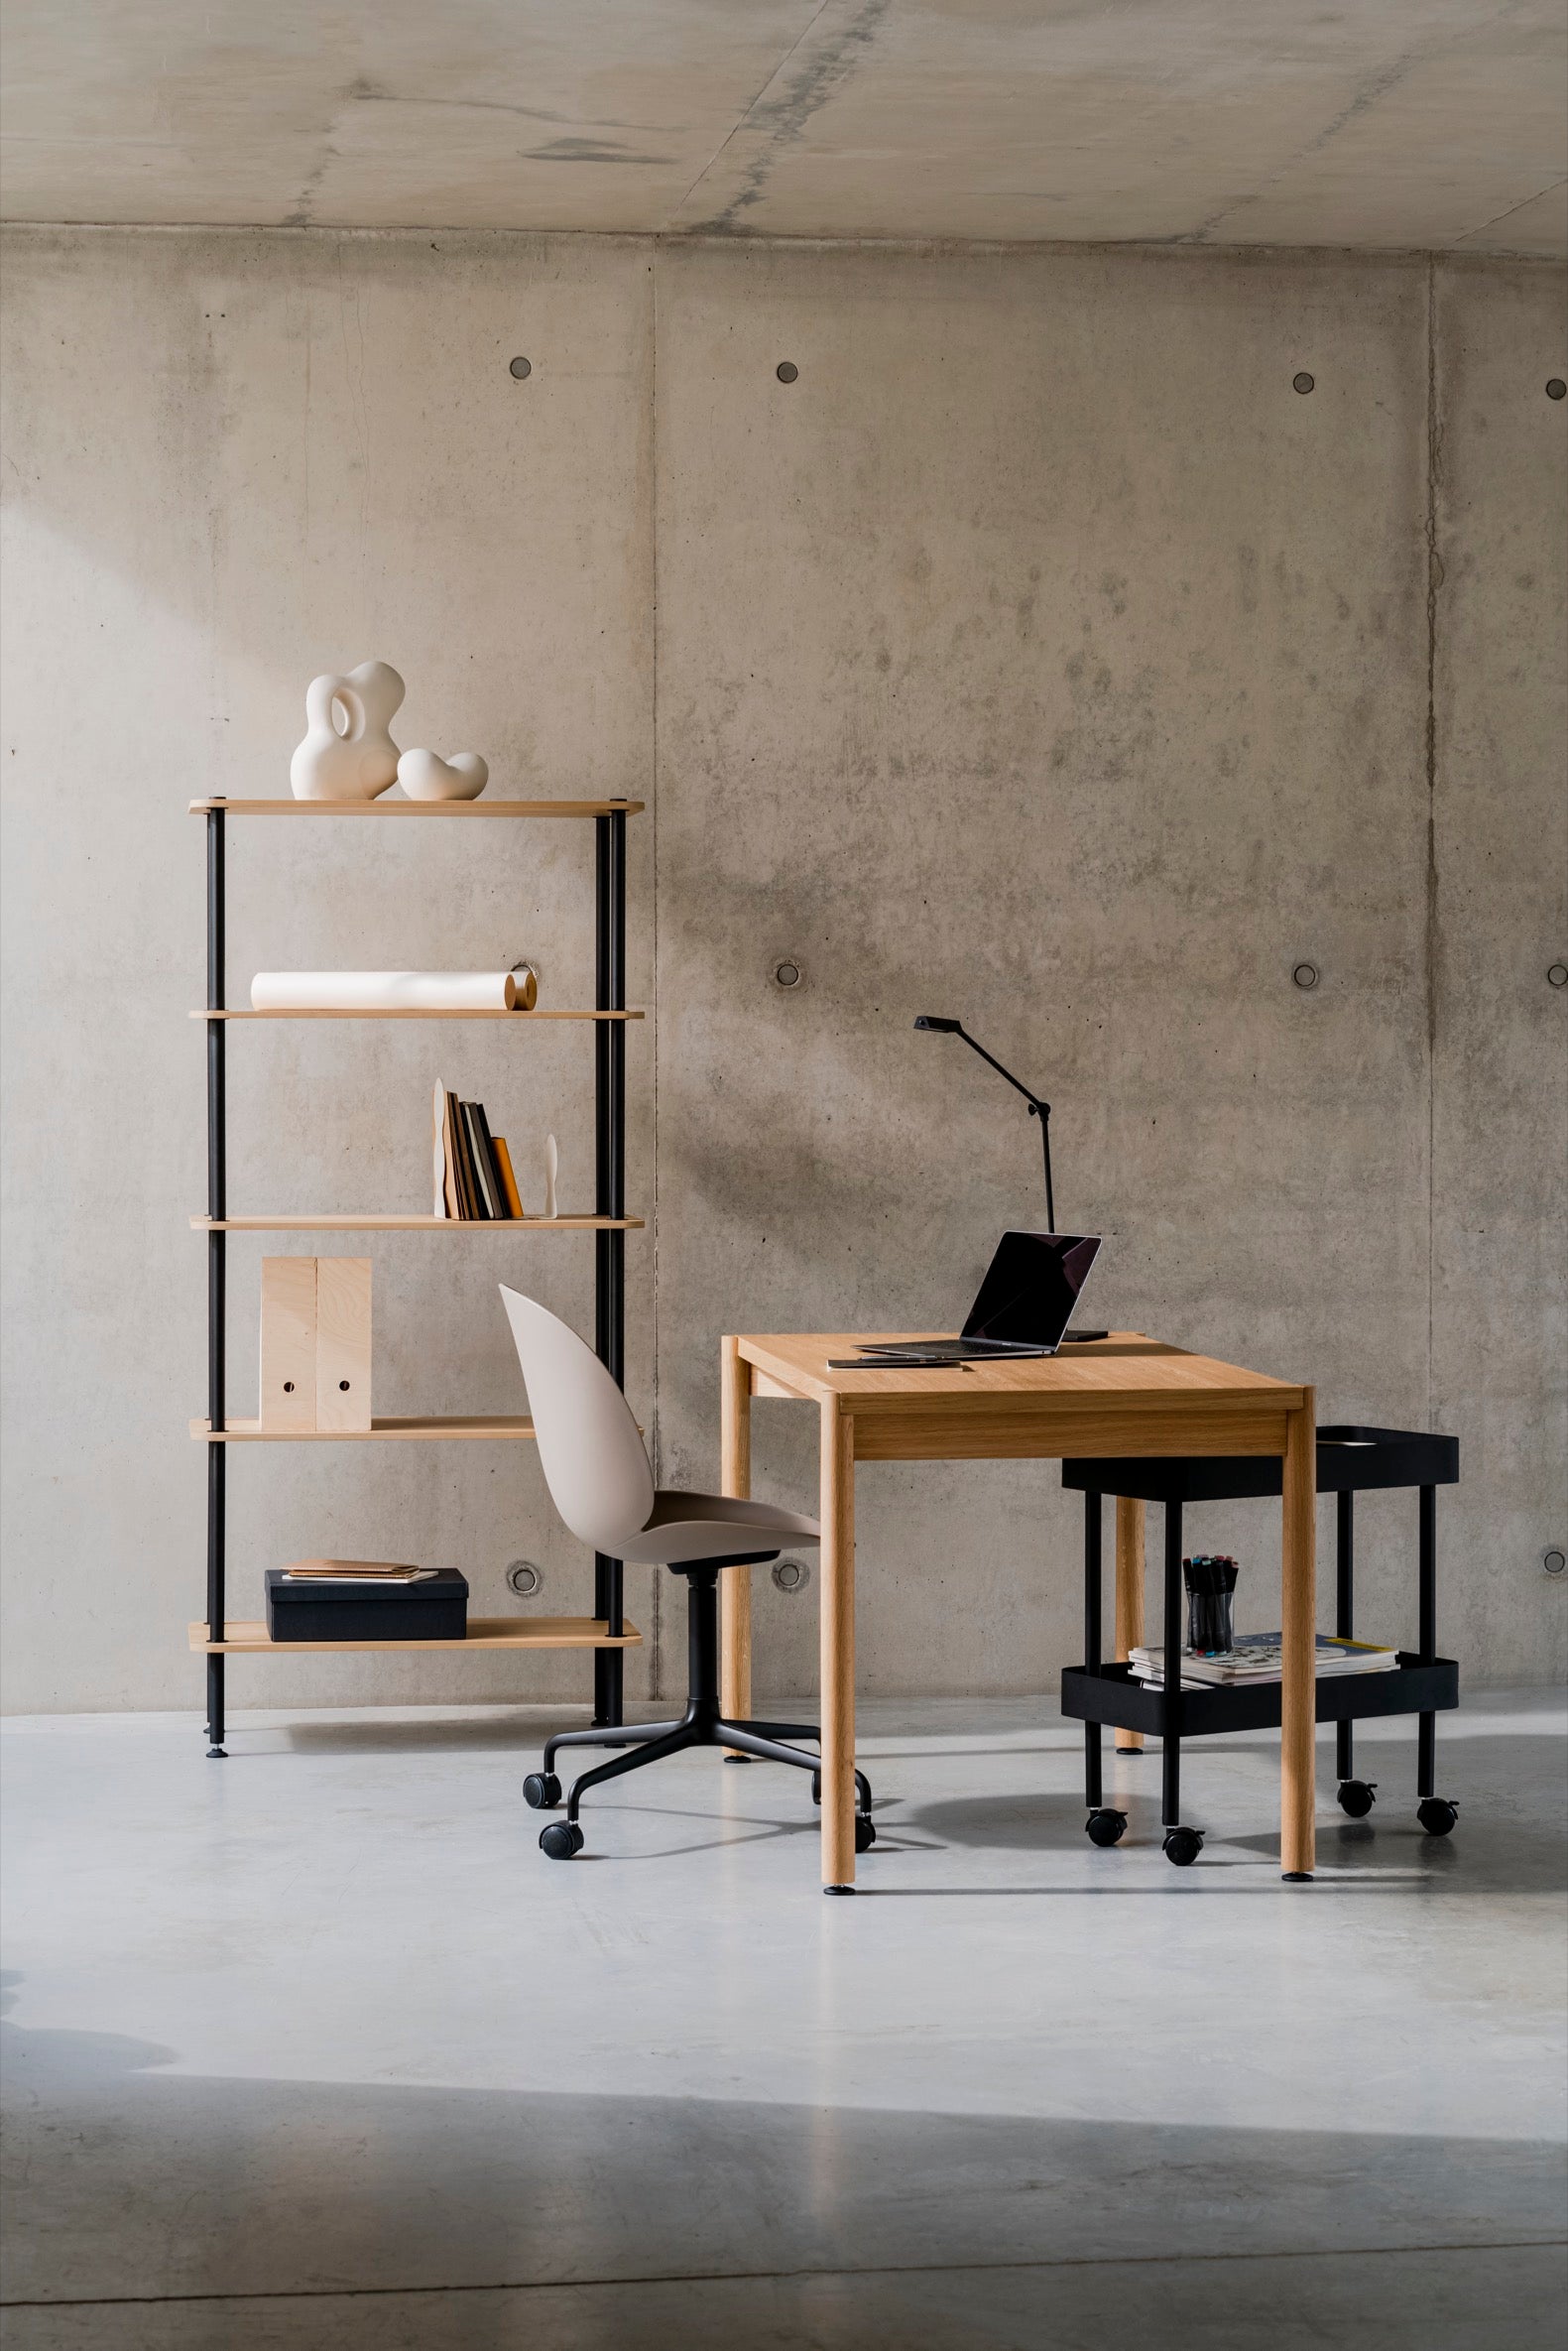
<point x="609" y="1094"/>
<point x="217" y="1272"/>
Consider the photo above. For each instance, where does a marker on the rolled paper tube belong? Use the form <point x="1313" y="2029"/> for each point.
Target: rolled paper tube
<point x="392" y="991"/>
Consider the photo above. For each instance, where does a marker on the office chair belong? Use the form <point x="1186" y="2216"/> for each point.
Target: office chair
<point x="596" y="1467"/>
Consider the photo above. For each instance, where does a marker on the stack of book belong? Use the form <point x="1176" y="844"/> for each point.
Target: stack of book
<point x="1257" y="1657"/>
<point x="473" y="1167"/>
<point x="357" y="1571"/>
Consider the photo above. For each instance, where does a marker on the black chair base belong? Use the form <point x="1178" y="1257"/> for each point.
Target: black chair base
<point x="703" y="1724"/>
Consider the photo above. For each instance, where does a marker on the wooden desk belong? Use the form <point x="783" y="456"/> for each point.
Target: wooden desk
<point x="1125" y="1394"/>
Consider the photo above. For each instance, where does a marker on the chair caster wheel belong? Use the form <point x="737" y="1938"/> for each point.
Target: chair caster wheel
<point x="561" y="1840"/>
<point x="1436" y="1815"/>
<point x="1182" y="1846"/>
<point x="865" y="1832"/>
<point x="1357" y="1797"/>
<point x="1105" y="1828"/>
<point x="541" y="1792"/>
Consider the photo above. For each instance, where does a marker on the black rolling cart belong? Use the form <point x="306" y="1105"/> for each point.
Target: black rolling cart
<point x="1349" y="1461"/>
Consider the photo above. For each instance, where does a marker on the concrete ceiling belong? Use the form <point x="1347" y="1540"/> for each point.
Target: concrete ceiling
<point x="1376" y="123"/>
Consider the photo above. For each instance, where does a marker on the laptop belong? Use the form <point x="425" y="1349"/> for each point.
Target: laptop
<point x="1021" y="1309"/>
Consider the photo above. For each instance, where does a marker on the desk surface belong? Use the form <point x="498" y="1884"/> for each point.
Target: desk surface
<point x="1124" y="1365"/>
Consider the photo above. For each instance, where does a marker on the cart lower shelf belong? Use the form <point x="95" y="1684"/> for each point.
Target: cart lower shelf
<point x="248" y="1637"/>
<point x="1109" y="1694"/>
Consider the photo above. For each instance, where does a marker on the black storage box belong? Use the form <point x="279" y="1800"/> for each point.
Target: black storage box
<point x="311" y="1610"/>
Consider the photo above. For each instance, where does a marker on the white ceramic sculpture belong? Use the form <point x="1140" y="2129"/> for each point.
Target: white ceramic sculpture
<point x="551" y="1169"/>
<point x="423" y="776"/>
<point x="362" y="762"/>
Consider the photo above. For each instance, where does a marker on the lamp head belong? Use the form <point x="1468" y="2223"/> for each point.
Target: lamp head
<point x="929" y="1020"/>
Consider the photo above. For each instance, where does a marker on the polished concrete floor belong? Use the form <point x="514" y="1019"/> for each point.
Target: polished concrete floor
<point x="313" y="2049"/>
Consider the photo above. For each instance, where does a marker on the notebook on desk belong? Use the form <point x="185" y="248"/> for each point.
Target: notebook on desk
<point x="1021" y="1309"/>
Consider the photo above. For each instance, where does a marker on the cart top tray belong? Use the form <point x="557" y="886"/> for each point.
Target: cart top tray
<point x="1351" y="1459"/>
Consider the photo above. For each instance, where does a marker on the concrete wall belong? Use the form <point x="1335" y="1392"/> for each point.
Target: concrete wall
<point x="1038" y="656"/>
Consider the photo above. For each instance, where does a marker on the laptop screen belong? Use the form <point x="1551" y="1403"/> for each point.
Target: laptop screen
<point x="1031" y="1288"/>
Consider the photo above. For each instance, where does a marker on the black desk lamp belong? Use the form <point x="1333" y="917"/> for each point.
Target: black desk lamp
<point x="1038" y="1109"/>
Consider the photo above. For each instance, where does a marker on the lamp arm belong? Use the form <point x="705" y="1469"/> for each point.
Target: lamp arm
<point x="1051" y="1200"/>
<point x="1017" y="1084"/>
<point x="1038" y="1109"/>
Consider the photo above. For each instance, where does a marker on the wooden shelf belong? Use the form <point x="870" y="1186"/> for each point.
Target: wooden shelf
<point x="393" y="1429"/>
<point x="248" y="1637"/>
<point x="313" y="1013"/>
<point x="416" y="807"/>
<point x="415" y="1224"/>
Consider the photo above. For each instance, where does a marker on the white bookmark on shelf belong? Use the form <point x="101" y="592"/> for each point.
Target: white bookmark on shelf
<point x="551" y="1163"/>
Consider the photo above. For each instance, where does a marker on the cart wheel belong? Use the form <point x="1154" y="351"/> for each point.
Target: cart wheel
<point x="1183" y="1845"/>
<point x="1436" y="1815"/>
<point x="865" y="1832"/>
<point x="1357" y="1797"/>
<point x="1105" y="1828"/>
<point x="541" y="1791"/>
<point x="561" y="1840"/>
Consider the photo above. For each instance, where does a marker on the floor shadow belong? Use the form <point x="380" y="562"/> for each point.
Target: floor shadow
<point x="123" y="2180"/>
<point x="1496" y="1849"/>
<point x="525" y="1735"/>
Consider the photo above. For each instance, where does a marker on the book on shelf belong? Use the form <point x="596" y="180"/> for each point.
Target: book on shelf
<point x="509" y="1182"/>
<point x="1260" y="1658"/>
<point x="473" y="1179"/>
<point x="478" y="1162"/>
<point x="356" y="1571"/>
<point x="489" y="1165"/>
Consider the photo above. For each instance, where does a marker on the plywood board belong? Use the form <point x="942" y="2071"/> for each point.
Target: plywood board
<point x="288" y="1343"/>
<point x="342" y="1344"/>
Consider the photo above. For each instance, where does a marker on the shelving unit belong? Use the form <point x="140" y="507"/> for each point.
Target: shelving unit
<point x="606" y="1631"/>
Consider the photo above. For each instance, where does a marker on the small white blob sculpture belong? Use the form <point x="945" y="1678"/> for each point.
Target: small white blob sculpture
<point x="423" y="776"/>
<point x="361" y="761"/>
<point x="551" y="1169"/>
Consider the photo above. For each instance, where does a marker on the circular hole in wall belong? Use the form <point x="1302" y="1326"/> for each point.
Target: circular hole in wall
<point x="1557" y="975"/>
<point x="787" y="371"/>
<point x="524" y="1578"/>
<point x="792" y="1575"/>
<point x="1553" y="1562"/>
<point x="1556" y="389"/>
<point x="1305" y="975"/>
<point x="789" y="974"/>
<point x="1302" y="382"/>
<point x="520" y="367"/>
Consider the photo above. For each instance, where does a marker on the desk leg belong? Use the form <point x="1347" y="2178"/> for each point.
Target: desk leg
<point x="735" y="1478"/>
<point x="1129" y="1597"/>
<point x="837" y="1622"/>
<point x="1298" y="1695"/>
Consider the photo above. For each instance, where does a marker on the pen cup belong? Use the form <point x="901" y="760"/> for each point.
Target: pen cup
<point x="1211" y="1587"/>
